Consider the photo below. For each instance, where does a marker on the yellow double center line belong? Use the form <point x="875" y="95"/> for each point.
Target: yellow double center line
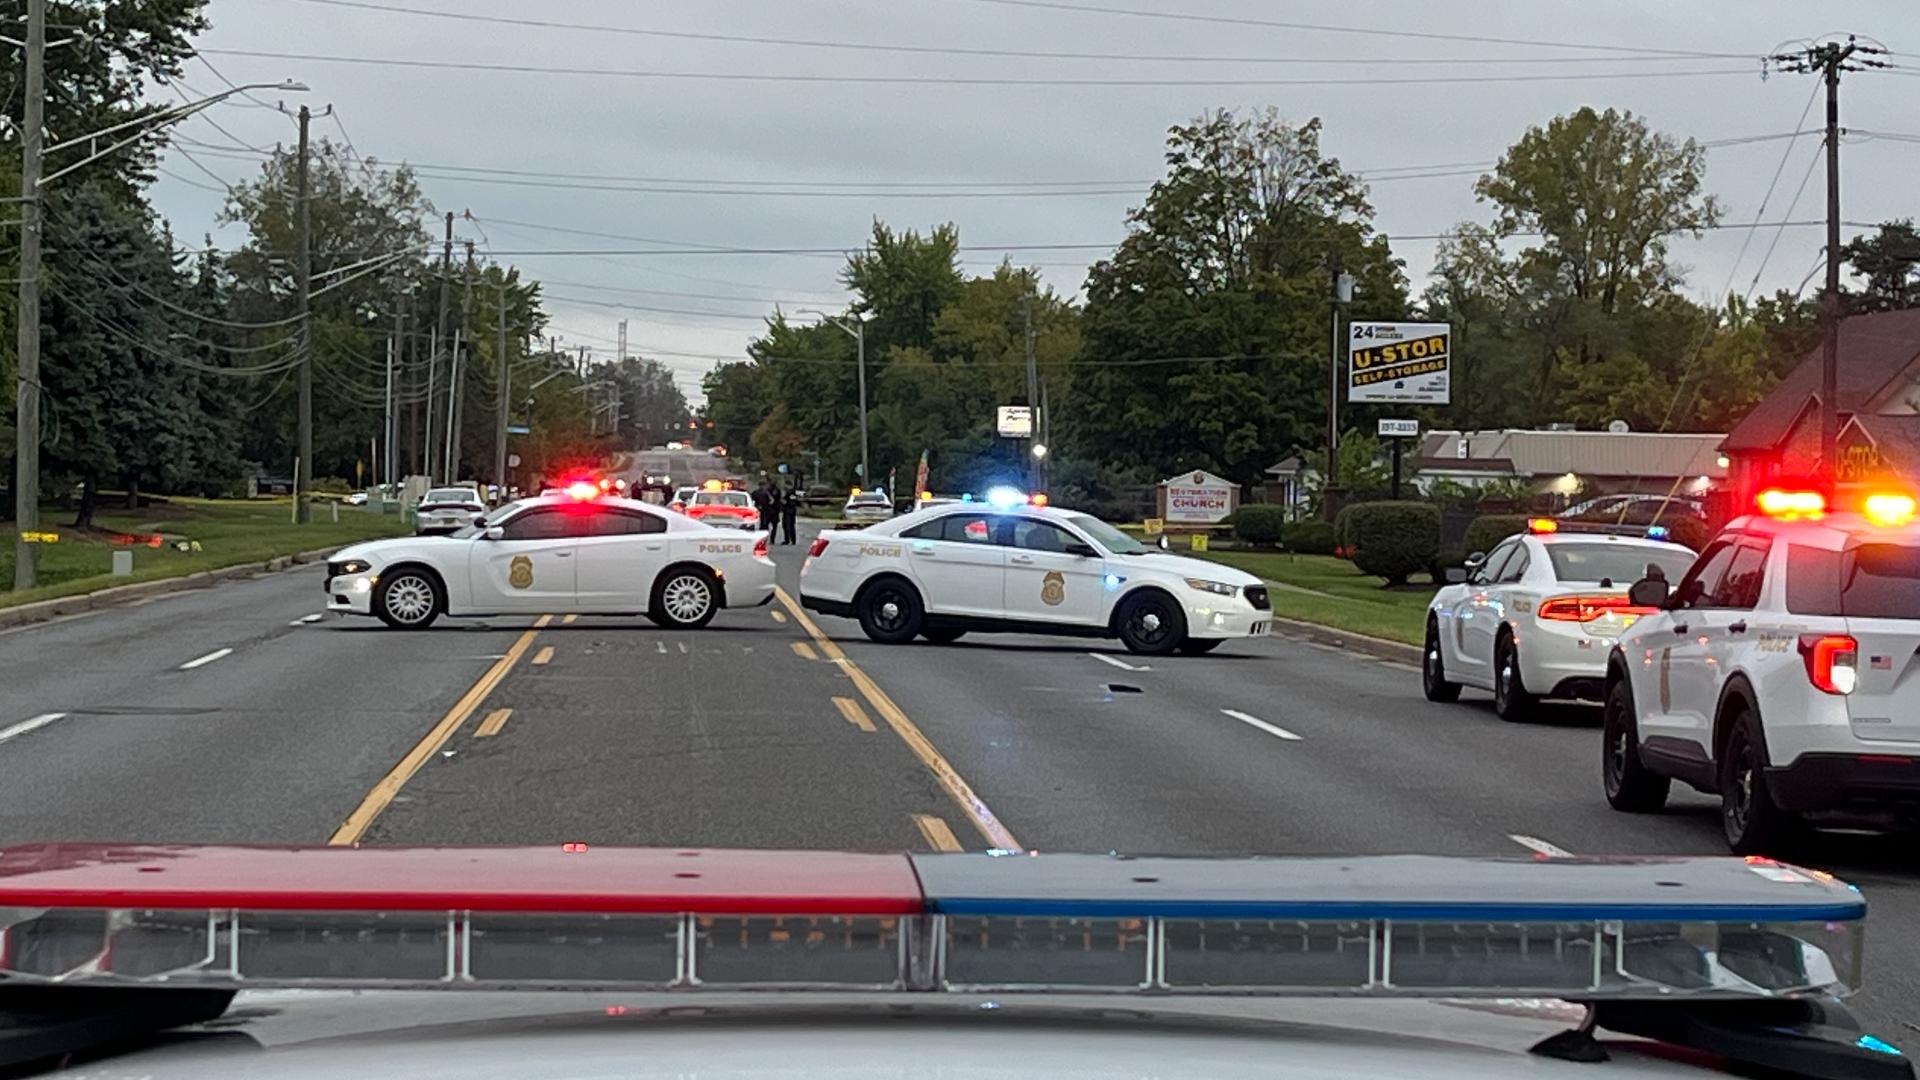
<point x="943" y="771"/>
<point x="377" y="800"/>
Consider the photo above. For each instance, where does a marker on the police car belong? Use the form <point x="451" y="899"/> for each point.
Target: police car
<point x="578" y="551"/>
<point x="1014" y="564"/>
<point x="442" y="510"/>
<point x="1782" y="673"/>
<point x="1535" y="616"/>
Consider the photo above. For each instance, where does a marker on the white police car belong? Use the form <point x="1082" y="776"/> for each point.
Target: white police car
<point x="577" y="551"/>
<point x="1782" y="673"/>
<point x="1015" y="565"/>
<point x="1535" y="616"/>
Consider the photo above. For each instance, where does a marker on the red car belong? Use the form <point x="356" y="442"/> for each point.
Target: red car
<point x="723" y="508"/>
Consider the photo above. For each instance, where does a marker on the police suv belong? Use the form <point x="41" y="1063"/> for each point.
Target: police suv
<point x="1014" y="564"/>
<point x="1782" y="673"/>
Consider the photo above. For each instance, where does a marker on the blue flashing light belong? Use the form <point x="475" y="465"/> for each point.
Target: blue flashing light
<point x="1006" y="498"/>
<point x="1878" y="1046"/>
<point x="1657" y="532"/>
<point x="968" y="497"/>
<point x="1112" y="581"/>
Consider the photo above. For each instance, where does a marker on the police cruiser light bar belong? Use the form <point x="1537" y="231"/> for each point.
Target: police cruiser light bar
<point x="1544" y="526"/>
<point x="1006" y="922"/>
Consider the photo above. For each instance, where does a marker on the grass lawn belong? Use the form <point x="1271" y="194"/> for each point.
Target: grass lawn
<point x="1341" y="596"/>
<point x="229" y="532"/>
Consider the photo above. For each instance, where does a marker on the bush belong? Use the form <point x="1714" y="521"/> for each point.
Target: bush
<point x="1393" y="539"/>
<point x="1689" y="530"/>
<point x="1259" y="523"/>
<point x="1488" y="530"/>
<point x="1447" y="559"/>
<point x="1310" y="537"/>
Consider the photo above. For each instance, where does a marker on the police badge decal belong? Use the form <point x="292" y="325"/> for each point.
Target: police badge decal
<point x="520" y="572"/>
<point x="1053" y="589"/>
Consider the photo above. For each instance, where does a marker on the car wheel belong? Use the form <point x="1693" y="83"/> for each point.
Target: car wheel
<point x="1630" y="785"/>
<point x="408" y="600"/>
<point x="942" y="635"/>
<point x="1151" y="623"/>
<point x="1433" y="669"/>
<point x="1511" y="701"/>
<point x="890" y="611"/>
<point x="684" y="599"/>
<point x="1753" y="824"/>
<point x="1200" y="646"/>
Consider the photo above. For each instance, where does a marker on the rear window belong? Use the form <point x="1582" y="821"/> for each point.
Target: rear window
<point x="1621" y="564"/>
<point x="452" y="495"/>
<point x="721" y="498"/>
<point x="1871" y="581"/>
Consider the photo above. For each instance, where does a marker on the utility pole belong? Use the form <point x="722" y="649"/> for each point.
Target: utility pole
<point x="390" y="431"/>
<point x="26" y="465"/>
<point x="457" y="409"/>
<point x="502" y="387"/>
<point x="1342" y="292"/>
<point x="622" y="354"/>
<point x="1830" y="58"/>
<point x="439" y="335"/>
<point x="1033" y="394"/>
<point x="448" y="463"/>
<point x="303" y="285"/>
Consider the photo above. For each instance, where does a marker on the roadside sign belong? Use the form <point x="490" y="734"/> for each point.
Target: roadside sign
<point x="513" y="461"/>
<point x="1154" y="526"/>
<point x="1199" y="541"/>
<point x="1198" y="498"/>
<point x="1014" y="421"/>
<point x="1399" y="362"/>
<point x="519" y="429"/>
<point x="1399" y="429"/>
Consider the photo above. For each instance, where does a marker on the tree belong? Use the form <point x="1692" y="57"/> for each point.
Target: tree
<point x="1206" y="331"/>
<point x="901" y="282"/>
<point x="651" y="405"/>
<point x="1890" y="261"/>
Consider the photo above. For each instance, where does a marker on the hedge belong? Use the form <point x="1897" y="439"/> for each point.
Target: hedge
<point x="1392" y="539"/>
<point x="1487" y="530"/>
<point x="1259" y="523"/>
<point x="1310" y="538"/>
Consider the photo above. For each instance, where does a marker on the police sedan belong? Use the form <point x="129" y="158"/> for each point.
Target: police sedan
<point x="1018" y="565"/>
<point x="1535" y="616"/>
<point x="577" y="551"/>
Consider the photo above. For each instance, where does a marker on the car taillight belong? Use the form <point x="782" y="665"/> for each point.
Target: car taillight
<point x="760" y="547"/>
<point x="818" y="549"/>
<point x="1588" y="608"/>
<point x="1832" y="662"/>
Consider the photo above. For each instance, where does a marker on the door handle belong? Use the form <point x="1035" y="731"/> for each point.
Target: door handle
<point x="1738" y="628"/>
<point x="1023" y="559"/>
<point x="1680" y="628"/>
<point x="563" y="554"/>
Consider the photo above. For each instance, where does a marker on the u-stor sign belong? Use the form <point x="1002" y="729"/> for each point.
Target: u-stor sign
<point x="1397" y="361"/>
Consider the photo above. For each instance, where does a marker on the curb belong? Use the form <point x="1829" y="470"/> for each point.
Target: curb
<point x="116" y="595"/>
<point x="1379" y="648"/>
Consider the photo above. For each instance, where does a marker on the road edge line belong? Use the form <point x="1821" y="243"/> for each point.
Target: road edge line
<point x="378" y="799"/>
<point x="957" y="788"/>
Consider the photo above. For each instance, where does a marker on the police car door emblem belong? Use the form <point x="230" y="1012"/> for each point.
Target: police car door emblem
<point x="1053" y="588"/>
<point x="520" y="572"/>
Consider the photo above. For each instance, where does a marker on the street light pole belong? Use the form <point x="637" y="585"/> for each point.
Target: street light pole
<point x="26" y="469"/>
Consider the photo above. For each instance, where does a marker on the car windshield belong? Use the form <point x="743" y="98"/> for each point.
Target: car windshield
<point x="1107" y="536"/>
<point x="460" y="496"/>
<point x="1622" y="564"/>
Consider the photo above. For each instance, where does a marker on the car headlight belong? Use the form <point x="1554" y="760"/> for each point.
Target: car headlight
<point x="1204" y="585"/>
<point x="354" y="566"/>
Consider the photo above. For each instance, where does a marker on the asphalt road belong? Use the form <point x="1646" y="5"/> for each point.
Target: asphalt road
<point x="233" y="713"/>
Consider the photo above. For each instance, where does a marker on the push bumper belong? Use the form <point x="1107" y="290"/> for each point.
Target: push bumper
<point x="1835" y="781"/>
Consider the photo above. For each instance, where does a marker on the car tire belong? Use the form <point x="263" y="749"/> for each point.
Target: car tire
<point x="1200" y="646"/>
<point x="1752" y="823"/>
<point x="685" y="598"/>
<point x="1631" y="787"/>
<point x="942" y="635"/>
<point x="408" y="599"/>
<point x="1151" y="624"/>
<point x="1433" y="669"/>
<point x="1511" y="701"/>
<point x="890" y="611"/>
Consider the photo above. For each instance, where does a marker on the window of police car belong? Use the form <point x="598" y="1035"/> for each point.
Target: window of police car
<point x="1698" y="585"/>
<point x="1739" y="587"/>
<point x="1516" y="566"/>
<point x="1869" y="581"/>
<point x="1489" y="570"/>
<point x="954" y="528"/>
<point x="1032" y="535"/>
<point x="1107" y="536"/>
<point x="1618" y="563"/>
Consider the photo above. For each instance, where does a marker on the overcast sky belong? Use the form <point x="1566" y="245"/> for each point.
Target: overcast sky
<point x="748" y="163"/>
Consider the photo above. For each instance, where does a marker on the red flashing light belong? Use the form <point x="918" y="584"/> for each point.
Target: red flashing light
<point x="1586" y="609"/>
<point x="760" y="547"/>
<point x="582" y="490"/>
<point x="1786" y="505"/>
<point x="574" y="848"/>
<point x="1542" y="525"/>
<point x="818" y="549"/>
<point x="1832" y="661"/>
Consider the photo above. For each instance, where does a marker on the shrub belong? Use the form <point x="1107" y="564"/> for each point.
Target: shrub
<point x="1488" y="530"/>
<point x="1689" y="530"/>
<point x="1393" y="539"/>
<point x="1259" y="523"/>
<point x="1310" y="537"/>
<point x="1447" y="559"/>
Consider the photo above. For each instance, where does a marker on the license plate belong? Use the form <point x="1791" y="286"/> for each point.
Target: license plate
<point x="1259" y="628"/>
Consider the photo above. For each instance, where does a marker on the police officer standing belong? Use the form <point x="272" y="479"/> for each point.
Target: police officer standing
<point x="790" y="510"/>
<point x="770" y="517"/>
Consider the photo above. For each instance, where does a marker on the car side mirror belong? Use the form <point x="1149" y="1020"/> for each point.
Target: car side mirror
<point x="1648" y="592"/>
<point x="1084" y="551"/>
<point x="497" y="532"/>
<point x="1164" y="545"/>
<point x="1475" y="559"/>
<point x="1456" y="575"/>
<point x="479" y="519"/>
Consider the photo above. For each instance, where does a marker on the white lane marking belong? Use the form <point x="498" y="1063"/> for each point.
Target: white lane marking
<point x="25" y="726"/>
<point x="662" y="646"/>
<point x="1121" y="664"/>
<point x="1536" y="844"/>
<point x="683" y="648"/>
<point x="203" y="660"/>
<point x="306" y="620"/>
<point x="1254" y="721"/>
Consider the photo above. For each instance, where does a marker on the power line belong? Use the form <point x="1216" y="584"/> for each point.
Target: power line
<point x="1328" y="28"/>
<point x="955" y="80"/>
<point x="643" y="307"/>
<point x="1654" y="55"/>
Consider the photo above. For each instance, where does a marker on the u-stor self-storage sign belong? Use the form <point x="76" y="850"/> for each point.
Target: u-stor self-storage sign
<point x="1399" y="362"/>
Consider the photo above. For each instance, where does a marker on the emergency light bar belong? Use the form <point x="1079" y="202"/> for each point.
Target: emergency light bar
<point x="570" y="915"/>
<point x="1552" y="526"/>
